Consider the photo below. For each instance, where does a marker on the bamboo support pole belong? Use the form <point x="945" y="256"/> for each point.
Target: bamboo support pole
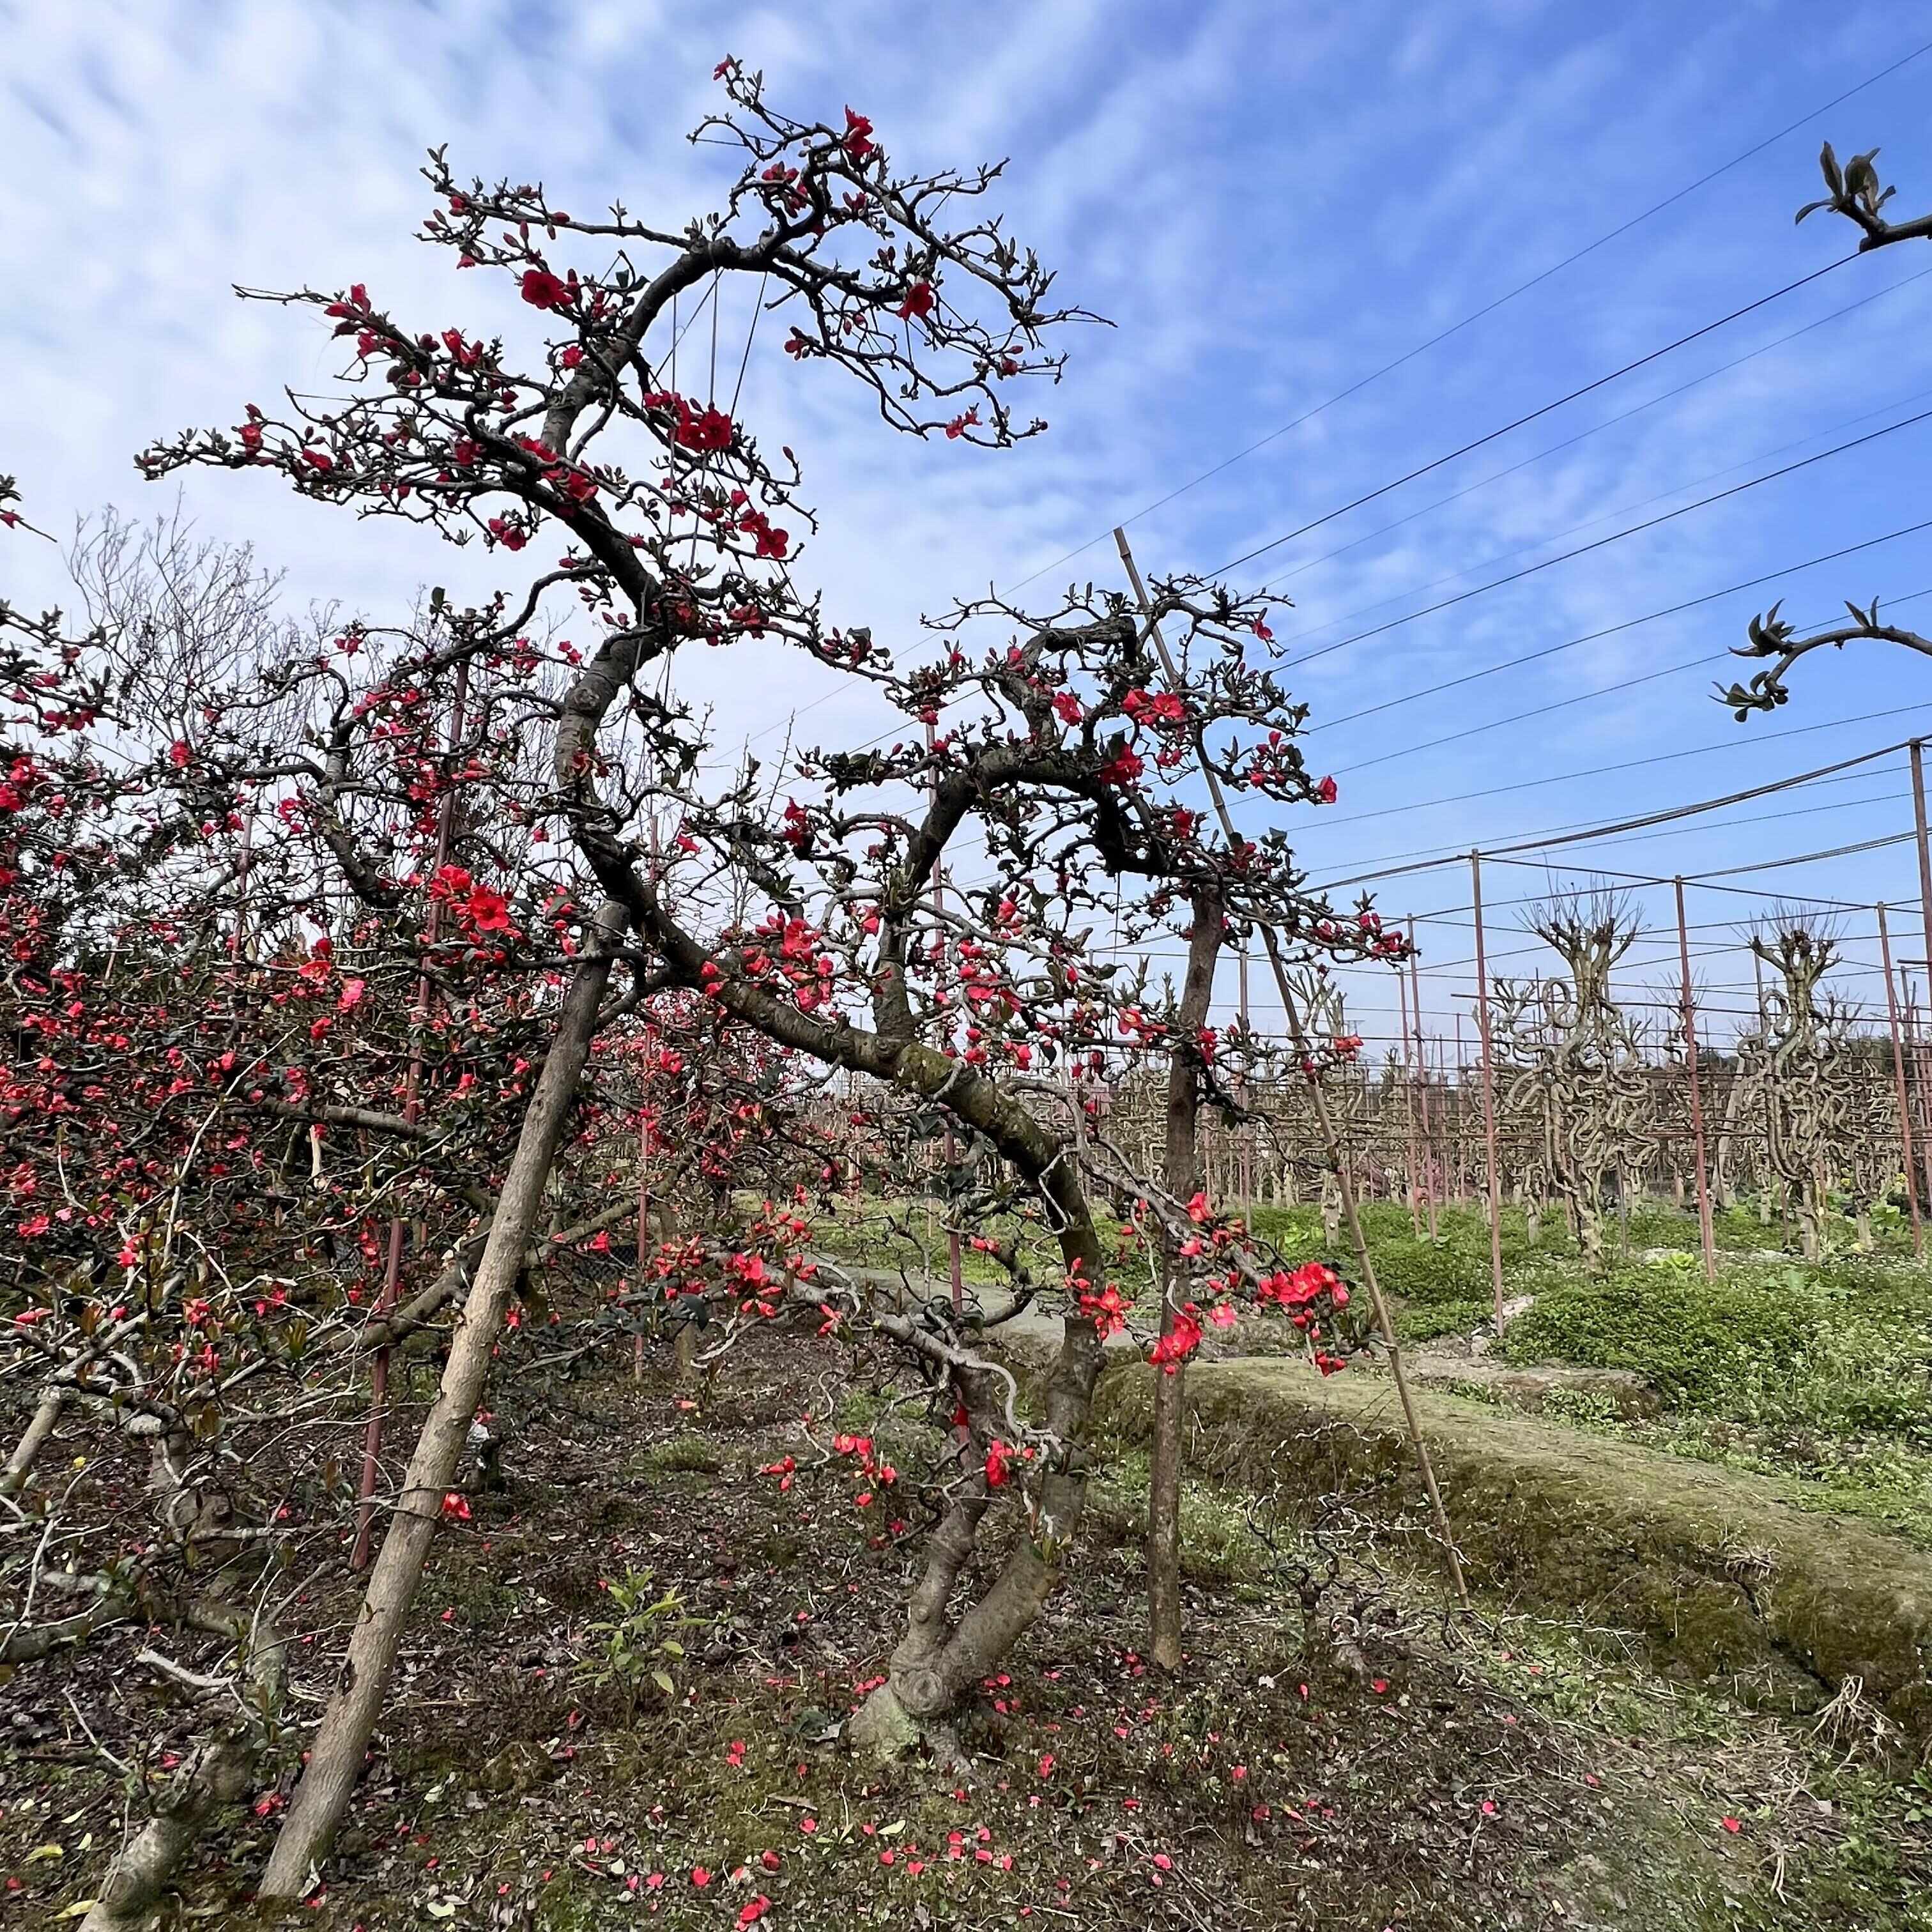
<point x="1331" y="1141"/>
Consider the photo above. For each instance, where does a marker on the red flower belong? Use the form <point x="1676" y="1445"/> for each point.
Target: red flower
<point x="1325" y="791"/>
<point x="541" y="290"/>
<point x="997" y="1456"/>
<point x="487" y="910"/>
<point x="456" y="1506"/>
<point x="859" y="143"/>
<point x="1068" y="706"/>
<point x="918" y="301"/>
<point x="1173" y="1349"/>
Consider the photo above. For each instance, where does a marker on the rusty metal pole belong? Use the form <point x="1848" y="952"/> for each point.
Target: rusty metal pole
<point x="392" y="1266"/>
<point x="1422" y="1062"/>
<point x="1915" y="1061"/>
<point x="1924" y="850"/>
<point x="1488" y="1092"/>
<point x="1898" y="1085"/>
<point x="1408" y="1103"/>
<point x="1704" y="1233"/>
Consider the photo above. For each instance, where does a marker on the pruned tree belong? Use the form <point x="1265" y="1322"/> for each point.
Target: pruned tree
<point x="1795" y="1061"/>
<point x="1584" y="1069"/>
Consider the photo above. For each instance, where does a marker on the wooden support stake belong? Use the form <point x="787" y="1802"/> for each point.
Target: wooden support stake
<point x="1422" y="1098"/>
<point x="1409" y="1106"/>
<point x="953" y="1254"/>
<point x="1331" y="1141"/>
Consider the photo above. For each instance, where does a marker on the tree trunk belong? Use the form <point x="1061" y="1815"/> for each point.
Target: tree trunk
<point x="215" y="1773"/>
<point x="1183" y="1169"/>
<point x="336" y="1755"/>
<point x="938" y="1662"/>
<point x="20" y="1468"/>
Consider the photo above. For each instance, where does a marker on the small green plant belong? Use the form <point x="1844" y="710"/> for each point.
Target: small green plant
<point x="634" y="1644"/>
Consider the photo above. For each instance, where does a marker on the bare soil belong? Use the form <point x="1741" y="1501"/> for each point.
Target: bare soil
<point x="1500" y="1774"/>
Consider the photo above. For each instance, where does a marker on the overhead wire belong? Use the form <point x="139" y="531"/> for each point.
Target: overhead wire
<point x="1618" y="536"/>
<point x="1521" y="421"/>
<point x="1288" y="636"/>
<point x="1477" y="315"/>
<point x="1670" y="813"/>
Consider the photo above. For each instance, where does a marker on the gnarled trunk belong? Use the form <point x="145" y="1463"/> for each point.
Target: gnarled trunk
<point x="939" y="1660"/>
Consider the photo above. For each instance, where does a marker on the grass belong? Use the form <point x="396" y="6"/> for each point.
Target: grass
<point x="1821" y="1373"/>
<point x="1818" y="1373"/>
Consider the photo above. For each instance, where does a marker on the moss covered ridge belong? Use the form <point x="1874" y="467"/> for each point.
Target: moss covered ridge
<point x="1719" y="1575"/>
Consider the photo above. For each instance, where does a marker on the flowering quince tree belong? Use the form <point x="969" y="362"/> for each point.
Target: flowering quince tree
<point x="532" y="893"/>
<point x="263" y="1003"/>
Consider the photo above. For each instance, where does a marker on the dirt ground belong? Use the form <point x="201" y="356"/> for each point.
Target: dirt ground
<point x="1498" y="1773"/>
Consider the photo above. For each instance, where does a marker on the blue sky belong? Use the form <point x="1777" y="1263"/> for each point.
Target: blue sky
<point x="1269" y="201"/>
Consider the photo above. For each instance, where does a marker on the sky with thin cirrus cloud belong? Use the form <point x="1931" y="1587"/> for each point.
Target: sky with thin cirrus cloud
<point x="1268" y="200"/>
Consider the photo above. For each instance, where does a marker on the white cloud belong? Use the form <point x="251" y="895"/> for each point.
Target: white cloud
<point x="1269" y="201"/>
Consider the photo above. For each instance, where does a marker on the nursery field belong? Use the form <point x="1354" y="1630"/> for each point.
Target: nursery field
<point x="688" y="1241"/>
<point x="534" y="1770"/>
<point x="1817" y="1374"/>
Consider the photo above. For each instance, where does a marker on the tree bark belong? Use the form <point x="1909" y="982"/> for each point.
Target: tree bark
<point x="336" y="1757"/>
<point x="215" y="1774"/>
<point x="19" y="1468"/>
<point x="1182" y="1178"/>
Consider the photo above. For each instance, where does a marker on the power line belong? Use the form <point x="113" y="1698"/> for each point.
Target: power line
<point x="1615" y="536"/>
<point x="1535" y="415"/>
<point x="1494" y="723"/>
<point x="1737" y="741"/>
<point x="1477" y="315"/>
<point x="1591" y="837"/>
<point x="1556" y="448"/>
<point x="1629" y="824"/>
